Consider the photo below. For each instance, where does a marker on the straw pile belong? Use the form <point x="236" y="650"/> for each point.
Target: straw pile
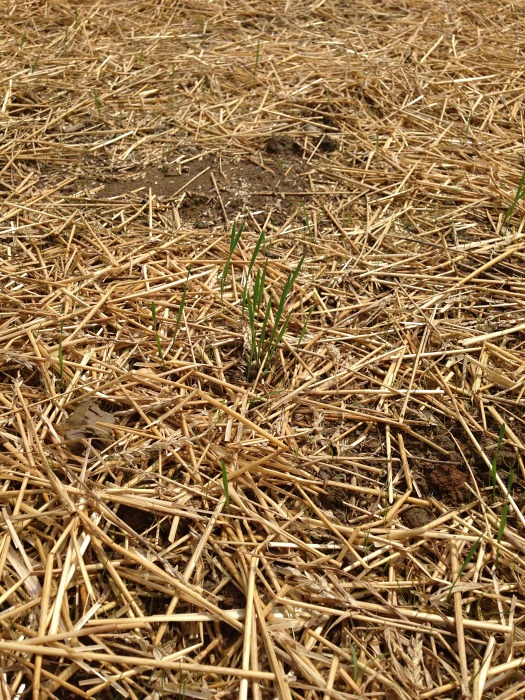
<point x="346" y="520"/>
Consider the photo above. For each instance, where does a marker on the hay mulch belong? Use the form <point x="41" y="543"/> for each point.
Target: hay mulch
<point x="346" y="520"/>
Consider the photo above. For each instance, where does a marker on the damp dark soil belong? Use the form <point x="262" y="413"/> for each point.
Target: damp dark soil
<point x="207" y="189"/>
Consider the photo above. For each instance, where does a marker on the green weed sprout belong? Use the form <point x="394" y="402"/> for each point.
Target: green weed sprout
<point x="98" y="104"/>
<point x="235" y="237"/>
<point x="260" y="242"/>
<point x="263" y="344"/>
<point x="520" y="194"/>
<point x="37" y="59"/>
<point x="467" y="561"/>
<point x="305" y="324"/>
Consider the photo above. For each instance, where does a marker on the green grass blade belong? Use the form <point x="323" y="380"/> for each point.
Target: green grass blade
<point x="471" y="552"/>
<point x="37" y="59"/>
<point x="305" y="324"/>
<point x="260" y="242"/>
<point x="98" y="104"/>
<point x="259" y="297"/>
<point x="257" y="292"/>
<point x="297" y="270"/>
<point x="272" y="347"/>
<point x="258" y="245"/>
<point x="520" y="194"/>
<point x="235" y="237"/>
<point x="286" y="291"/>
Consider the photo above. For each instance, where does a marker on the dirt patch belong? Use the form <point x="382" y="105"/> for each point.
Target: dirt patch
<point x="208" y="189"/>
<point x="334" y="500"/>
<point x="447" y="483"/>
<point x="416" y="517"/>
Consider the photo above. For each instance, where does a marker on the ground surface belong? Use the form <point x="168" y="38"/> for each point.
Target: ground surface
<point x="210" y="494"/>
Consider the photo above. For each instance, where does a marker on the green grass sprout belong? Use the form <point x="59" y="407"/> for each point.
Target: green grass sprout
<point x="519" y="195"/>
<point x="263" y="344"/>
<point x="37" y="59"/>
<point x="254" y="305"/>
<point x="305" y="325"/>
<point x="471" y="552"/>
<point x="235" y="237"/>
<point x="260" y="242"/>
<point x="277" y="335"/>
<point x="98" y="104"/>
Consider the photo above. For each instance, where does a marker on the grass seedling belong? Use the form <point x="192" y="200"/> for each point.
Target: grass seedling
<point x="181" y="306"/>
<point x="157" y="337"/>
<point x="277" y="333"/>
<point x="305" y="324"/>
<point x="37" y="59"/>
<point x="520" y="194"/>
<point x="355" y="662"/>
<point x="262" y="347"/>
<point x="469" y="121"/>
<point x="494" y="466"/>
<point x="225" y="485"/>
<point x="471" y="552"/>
<point x="260" y="242"/>
<point x="235" y="237"/>
<point x="98" y="105"/>
<point x="254" y="304"/>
